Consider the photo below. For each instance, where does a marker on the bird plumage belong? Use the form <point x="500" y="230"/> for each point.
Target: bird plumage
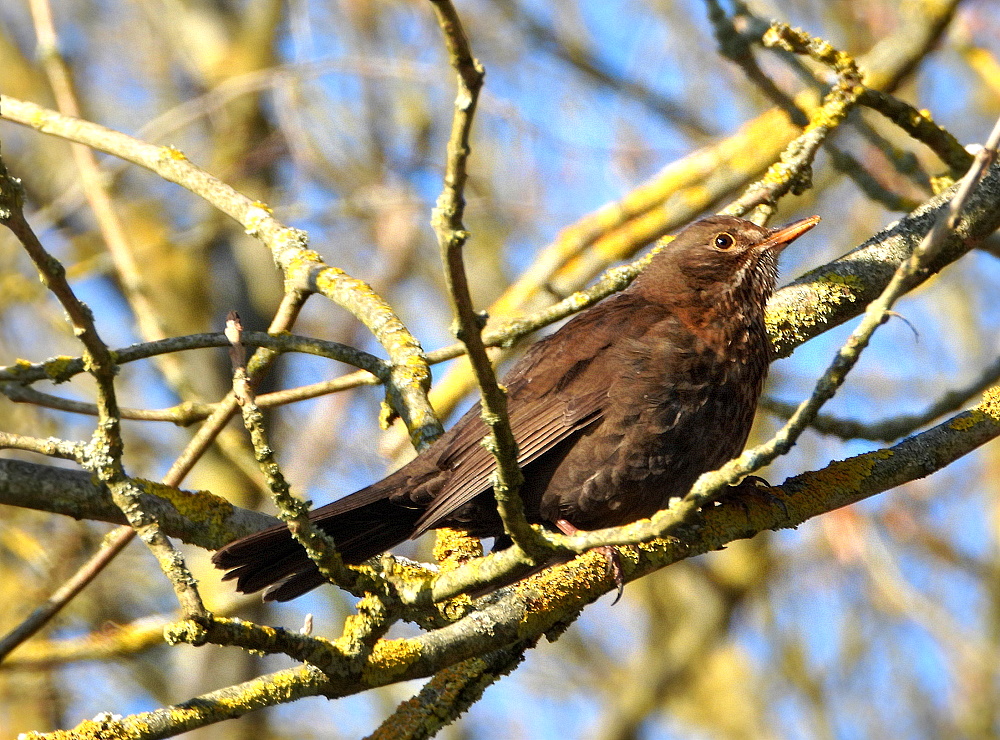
<point x="614" y="414"/>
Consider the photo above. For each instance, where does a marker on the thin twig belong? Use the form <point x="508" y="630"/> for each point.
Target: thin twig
<point x="793" y="172"/>
<point x="303" y="269"/>
<point x="451" y="233"/>
<point x="42" y="615"/>
<point x="116" y="541"/>
<point x="601" y="72"/>
<point x="105" y="453"/>
<point x="897" y="427"/>
<point x="737" y="46"/>
<point x="51" y="447"/>
<point x="61" y="369"/>
<point x="293" y="511"/>
<point x="920" y="126"/>
<point x="448" y="694"/>
<point x="95" y="190"/>
<point x="287" y="313"/>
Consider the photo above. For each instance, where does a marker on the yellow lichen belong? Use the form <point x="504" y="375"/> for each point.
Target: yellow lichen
<point x="390" y="658"/>
<point x="37" y="118"/>
<point x="837" y="278"/>
<point x="256" y="214"/>
<point x="846" y="475"/>
<point x="386" y="415"/>
<point x="829" y="291"/>
<point x="989" y="408"/>
<point x="307" y="260"/>
<point x="966" y="421"/>
<point x="328" y="276"/>
<point x="941" y="183"/>
<point x="555" y="587"/>
<point x="198" y="506"/>
<point x="57" y="368"/>
<point x="827" y="116"/>
<point x="990" y="404"/>
<point x="172" y="152"/>
<point x="453" y="547"/>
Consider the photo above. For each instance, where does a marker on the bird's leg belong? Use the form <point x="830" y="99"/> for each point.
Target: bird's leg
<point x="609" y="552"/>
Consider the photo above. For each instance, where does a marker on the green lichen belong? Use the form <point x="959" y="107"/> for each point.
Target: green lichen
<point x="185" y="632"/>
<point x="966" y="421"/>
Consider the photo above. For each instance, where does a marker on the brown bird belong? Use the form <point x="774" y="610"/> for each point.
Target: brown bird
<point x="614" y="414"/>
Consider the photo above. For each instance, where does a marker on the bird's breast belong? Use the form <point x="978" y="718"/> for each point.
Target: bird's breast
<point x="682" y="403"/>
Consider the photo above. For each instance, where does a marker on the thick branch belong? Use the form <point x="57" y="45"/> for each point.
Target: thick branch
<point x="197" y="517"/>
<point x="830" y="295"/>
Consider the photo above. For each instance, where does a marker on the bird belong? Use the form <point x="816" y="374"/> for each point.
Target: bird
<point x="614" y="414"/>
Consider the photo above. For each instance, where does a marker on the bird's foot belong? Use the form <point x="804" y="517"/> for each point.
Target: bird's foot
<point x="754" y="487"/>
<point x="614" y="569"/>
<point x="610" y="553"/>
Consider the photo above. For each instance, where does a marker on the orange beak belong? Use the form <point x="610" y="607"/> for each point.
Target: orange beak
<point x="785" y="235"/>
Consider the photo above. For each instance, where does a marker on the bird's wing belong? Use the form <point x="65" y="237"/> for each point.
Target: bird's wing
<point x="556" y="390"/>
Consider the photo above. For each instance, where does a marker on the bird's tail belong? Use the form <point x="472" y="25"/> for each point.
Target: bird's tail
<point x="363" y="525"/>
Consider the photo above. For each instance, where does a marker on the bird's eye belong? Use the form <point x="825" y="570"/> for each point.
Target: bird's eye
<point x="724" y="240"/>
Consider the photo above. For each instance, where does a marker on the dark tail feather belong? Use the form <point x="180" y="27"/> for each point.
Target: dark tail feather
<point x="361" y="524"/>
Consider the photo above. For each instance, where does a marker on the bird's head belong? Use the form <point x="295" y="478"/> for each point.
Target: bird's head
<point x="719" y="259"/>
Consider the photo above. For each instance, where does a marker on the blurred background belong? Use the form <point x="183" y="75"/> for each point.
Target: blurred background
<point x="603" y="125"/>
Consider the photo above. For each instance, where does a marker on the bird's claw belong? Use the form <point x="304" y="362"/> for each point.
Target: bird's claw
<point x="614" y="569"/>
<point x="610" y="553"/>
<point x="753" y="486"/>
